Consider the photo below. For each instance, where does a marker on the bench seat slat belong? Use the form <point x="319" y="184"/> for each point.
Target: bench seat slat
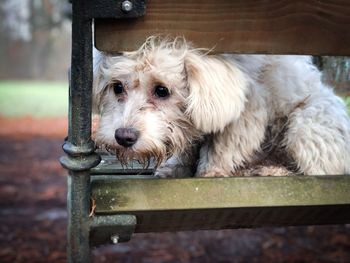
<point x="252" y="26"/>
<point x="184" y="204"/>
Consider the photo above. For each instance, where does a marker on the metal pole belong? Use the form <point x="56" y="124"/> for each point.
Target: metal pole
<point x="79" y="146"/>
<point x="78" y="249"/>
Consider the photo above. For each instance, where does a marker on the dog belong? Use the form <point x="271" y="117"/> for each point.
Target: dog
<point x="212" y="115"/>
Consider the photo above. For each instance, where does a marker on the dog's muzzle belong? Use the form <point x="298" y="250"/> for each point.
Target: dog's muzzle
<point x="126" y="137"/>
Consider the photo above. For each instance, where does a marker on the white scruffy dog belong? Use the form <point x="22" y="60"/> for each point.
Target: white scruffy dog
<point x="165" y="98"/>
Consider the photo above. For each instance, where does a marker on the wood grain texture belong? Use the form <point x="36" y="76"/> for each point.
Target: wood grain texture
<point x="203" y="203"/>
<point x="252" y="26"/>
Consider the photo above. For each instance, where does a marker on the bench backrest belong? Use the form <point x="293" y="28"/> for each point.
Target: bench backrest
<point x="311" y="27"/>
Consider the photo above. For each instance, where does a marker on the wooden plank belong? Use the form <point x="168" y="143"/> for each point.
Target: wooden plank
<point x="319" y="27"/>
<point x="184" y="204"/>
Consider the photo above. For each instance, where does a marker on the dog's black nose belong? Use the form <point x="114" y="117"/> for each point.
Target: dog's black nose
<point x="126" y="136"/>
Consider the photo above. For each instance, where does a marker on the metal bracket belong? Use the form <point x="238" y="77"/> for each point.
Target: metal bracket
<point x="116" y="8"/>
<point x="79" y="158"/>
<point x="111" y="229"/>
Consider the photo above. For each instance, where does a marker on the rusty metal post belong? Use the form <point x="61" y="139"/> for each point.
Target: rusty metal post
<point x="79" y="146"/>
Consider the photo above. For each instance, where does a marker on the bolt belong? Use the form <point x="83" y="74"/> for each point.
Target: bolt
<point x="115" y="239"/>
<point x="127" y="6"/>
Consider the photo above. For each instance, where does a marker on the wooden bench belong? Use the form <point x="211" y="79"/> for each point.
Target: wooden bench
<point x="109" y="204"/>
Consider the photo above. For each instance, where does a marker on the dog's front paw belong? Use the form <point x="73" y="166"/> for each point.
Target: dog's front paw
<point x="176" y="171"/>
<point x="214" y="173"/>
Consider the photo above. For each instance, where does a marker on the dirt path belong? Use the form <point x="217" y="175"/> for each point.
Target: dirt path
<point x="33" y="218"/>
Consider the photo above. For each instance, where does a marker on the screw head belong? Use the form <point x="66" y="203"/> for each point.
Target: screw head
<point x="115" y="239"/>
<point x="127" y="6"/>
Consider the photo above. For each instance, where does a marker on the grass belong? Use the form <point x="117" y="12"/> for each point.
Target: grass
<point x="347" y="101"/>
<point x="36" y="99"/>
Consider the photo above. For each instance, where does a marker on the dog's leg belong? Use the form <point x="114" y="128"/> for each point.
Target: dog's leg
<point x="318" y="136"/>
<point x="178" y="166"/>
<point x="230" y="149"/>
<point x="221" y="155"/>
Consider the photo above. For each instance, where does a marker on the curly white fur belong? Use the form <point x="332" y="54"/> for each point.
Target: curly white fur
<point x="227" y="100"/>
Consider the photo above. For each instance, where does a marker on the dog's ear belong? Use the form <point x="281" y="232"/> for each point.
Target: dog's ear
<point x="216" y="91"/>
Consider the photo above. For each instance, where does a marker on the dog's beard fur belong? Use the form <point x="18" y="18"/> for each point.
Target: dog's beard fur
<point x="174" y="138"/>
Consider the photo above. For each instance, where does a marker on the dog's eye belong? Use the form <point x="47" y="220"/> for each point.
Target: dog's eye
<point x="161" y="91"/>
<point x="118" y="88"/>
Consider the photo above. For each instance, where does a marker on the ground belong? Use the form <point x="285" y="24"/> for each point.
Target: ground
<point x="33" y="216"/>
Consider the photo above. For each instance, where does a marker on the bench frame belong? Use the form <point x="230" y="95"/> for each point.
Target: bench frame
<point x="113" y="224"/>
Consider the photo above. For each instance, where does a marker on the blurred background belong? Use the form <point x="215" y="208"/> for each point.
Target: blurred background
<point x="34" y="58"/>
